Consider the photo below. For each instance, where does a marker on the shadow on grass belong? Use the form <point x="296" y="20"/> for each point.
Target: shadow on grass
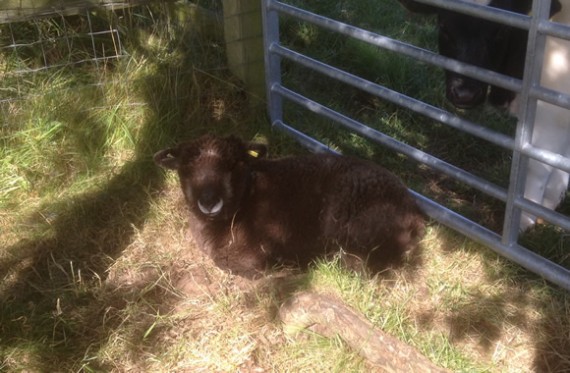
<point x="53" y="304"/>
<point x="482" y="311"/>
<point x="55" y="307"/>
<point x="89" y="234"/>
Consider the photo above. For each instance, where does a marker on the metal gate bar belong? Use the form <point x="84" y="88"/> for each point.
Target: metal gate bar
<point x="400" y="147"/>
<point x="506" y="244"/>
<point x="444" y="117"/>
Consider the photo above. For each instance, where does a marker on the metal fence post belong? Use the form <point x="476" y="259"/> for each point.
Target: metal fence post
<point x="272" y="61"/>
<point x="526" y="115"/>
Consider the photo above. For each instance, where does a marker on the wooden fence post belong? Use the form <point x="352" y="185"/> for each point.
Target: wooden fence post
<point x="244" y="45"/>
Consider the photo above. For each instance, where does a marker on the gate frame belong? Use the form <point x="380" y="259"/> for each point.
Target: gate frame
<point x="529" y="88"/>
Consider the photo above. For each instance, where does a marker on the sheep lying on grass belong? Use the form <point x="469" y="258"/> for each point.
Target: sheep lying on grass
<point x="248" y="212"/>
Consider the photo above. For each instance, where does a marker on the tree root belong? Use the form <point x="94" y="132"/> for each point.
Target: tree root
<point x="329" y="317"/>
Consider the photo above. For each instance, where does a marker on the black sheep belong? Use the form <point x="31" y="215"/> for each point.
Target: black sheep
<point x="248" y="212"/>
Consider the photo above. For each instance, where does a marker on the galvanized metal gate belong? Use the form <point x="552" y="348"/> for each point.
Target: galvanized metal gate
<point x="529" y="88"/>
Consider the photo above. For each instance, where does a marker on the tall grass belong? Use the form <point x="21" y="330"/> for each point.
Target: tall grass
<point x="78" y="181"/>
<point x="98" y="270"/>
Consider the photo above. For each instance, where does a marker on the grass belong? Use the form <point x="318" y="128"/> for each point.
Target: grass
<point x="99" y="273"/>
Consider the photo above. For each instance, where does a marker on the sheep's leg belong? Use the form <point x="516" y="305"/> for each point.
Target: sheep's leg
<point x="545" y="184"/>
<point x="555" y="189"/>
<point x="558" y="183"/>
<point x="537" y="175"/>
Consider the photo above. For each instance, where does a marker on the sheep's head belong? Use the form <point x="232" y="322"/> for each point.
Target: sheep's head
<point x="214" y="173"/>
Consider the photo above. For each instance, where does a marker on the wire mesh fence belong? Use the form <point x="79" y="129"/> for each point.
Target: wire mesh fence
<point x="59" y="41"/>
<point x="40" y="43"/>
<point x="44" y="44"/>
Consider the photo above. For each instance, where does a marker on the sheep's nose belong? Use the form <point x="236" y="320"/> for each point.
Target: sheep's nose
<point x="210" y="203"/>
<point x="464" y="93"/>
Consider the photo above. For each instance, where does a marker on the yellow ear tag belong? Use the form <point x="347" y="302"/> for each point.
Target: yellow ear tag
<point x="253" y="153"/>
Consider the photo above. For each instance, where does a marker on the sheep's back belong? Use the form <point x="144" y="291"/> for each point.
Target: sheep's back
<point x="319" y="199"/>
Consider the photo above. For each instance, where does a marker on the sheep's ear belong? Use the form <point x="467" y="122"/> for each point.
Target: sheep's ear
<point x="415" y="7"/>
<point x="256" y="150"/>
<point x="167" y="158"/>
